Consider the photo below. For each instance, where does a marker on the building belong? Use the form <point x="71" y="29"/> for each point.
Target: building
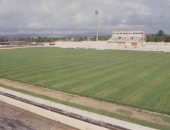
<point x="128" y="37"/>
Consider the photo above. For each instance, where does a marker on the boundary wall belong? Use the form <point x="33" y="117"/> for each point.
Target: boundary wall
<point x="104" y="45"/>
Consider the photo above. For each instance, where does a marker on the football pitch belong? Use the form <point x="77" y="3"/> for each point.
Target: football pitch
<point x="138" y="79"/>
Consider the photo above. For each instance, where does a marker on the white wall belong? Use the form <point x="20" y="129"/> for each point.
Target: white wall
<point x="104" y="45"/>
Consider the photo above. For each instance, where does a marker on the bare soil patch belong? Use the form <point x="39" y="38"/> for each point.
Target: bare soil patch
<point x="12" y="118"/>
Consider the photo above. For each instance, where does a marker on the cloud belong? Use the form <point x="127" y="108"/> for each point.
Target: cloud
<point x="51" y="16"/>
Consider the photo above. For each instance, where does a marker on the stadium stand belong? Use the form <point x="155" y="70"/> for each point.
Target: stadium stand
<point x="127" y="37"/>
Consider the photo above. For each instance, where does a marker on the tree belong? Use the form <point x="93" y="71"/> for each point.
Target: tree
<point x="161" y="33"/>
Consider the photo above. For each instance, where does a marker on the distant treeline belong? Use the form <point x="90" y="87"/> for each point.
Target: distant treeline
<point x="41" y="39"/>
<point x="160" y="36"/>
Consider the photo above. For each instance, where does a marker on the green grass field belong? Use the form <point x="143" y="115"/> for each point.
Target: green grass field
<point x="140" y="79"/>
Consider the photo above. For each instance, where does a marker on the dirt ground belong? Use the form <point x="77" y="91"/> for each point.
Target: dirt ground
<point x="89" y="102"/>
<point x="12" y="118"/>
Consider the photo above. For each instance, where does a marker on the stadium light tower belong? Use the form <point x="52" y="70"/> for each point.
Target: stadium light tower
<point x="97" y="24"/>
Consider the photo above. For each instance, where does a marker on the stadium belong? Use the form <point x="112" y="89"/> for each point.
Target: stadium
<point x="84" y="65"/>
<point x="130" y="78"/>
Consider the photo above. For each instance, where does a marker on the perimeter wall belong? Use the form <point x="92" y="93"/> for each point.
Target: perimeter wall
<point x="104" y="45"/>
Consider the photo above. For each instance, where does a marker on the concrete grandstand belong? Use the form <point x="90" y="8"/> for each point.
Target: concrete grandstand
<point x="125" y="37"/>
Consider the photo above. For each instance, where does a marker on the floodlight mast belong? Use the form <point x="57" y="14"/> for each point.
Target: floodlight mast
<point x="97" y="24"/>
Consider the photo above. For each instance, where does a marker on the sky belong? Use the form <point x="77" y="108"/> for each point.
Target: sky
<point x="77" y="16"/>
